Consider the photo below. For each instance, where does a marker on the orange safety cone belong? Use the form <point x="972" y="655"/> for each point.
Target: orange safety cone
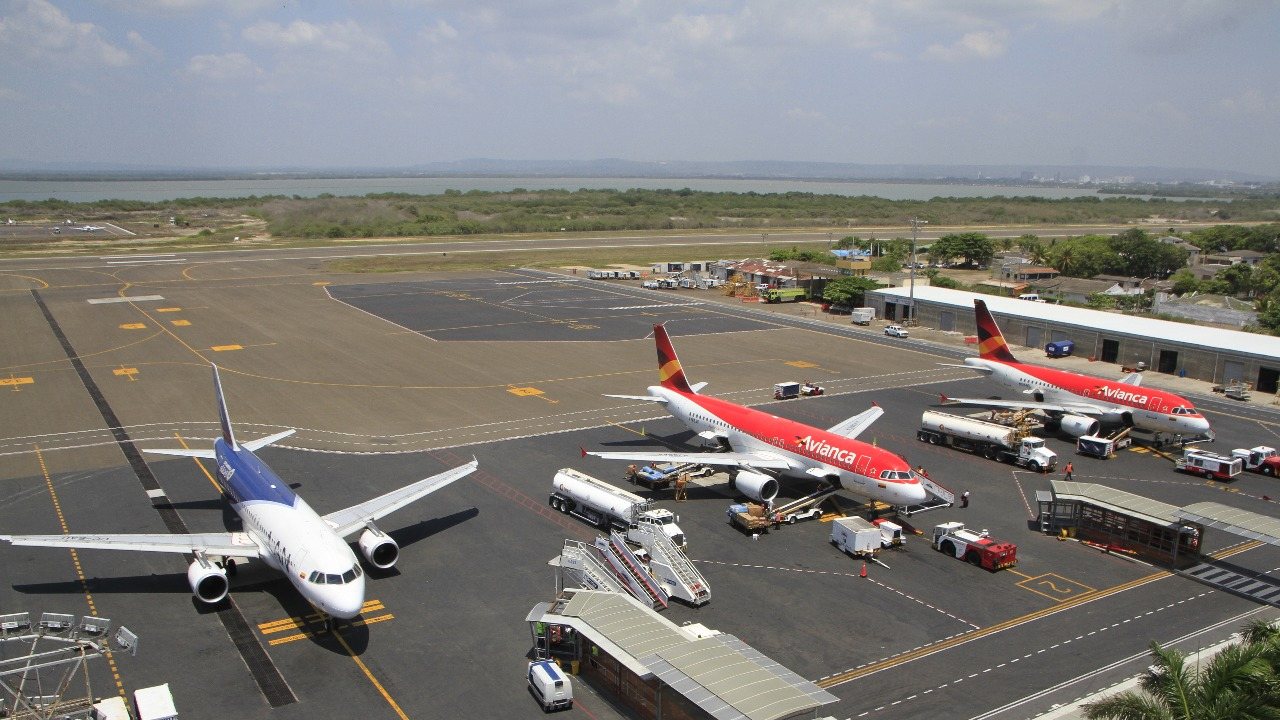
<point x="864" y="569"/>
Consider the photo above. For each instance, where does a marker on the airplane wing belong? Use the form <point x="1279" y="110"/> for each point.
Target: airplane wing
<point x="1134" y="379"/>
<point x="854" y="426"/>
<point x="236" y="544"/>
<point x="348" y="520"/>
<point x="730" y="459"/>
<point x="646" y="398"/>
<point x="1073" y="408"/>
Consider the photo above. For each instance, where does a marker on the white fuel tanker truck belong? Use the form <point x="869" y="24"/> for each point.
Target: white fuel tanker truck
<point x="603" y="505"/>
<point x="990" y="440"/>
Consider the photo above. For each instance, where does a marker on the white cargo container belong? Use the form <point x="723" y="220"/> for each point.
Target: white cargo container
<point x="155" y="703"/>
<point x="855" y="536"/>
<point x="550" y="685"/>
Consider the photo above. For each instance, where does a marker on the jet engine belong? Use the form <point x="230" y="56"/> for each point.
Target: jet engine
<point x="1077" y="425"/>
<point x="208" y="581"/>
<point x="756" y="486"/>
<point x="378" y="548"/>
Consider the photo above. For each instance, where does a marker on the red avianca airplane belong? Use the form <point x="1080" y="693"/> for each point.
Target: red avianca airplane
<point x="1078" y="402"/>
<point x="764" y="447"/>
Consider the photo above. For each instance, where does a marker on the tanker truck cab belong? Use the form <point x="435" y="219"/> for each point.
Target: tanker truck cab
<point x="667" y="520"/>
<point x="549" y="684"/>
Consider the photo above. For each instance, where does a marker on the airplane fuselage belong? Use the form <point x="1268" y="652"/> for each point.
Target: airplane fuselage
<point x="856" y="466"/>
<point x="1122" y="403"/>
<point x="294" y="539"/>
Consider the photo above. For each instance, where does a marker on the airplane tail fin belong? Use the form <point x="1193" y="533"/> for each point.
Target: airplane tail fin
<point x="991" y="344"/>
<point x="227" y="436"/>
<point x="670" y="374"/>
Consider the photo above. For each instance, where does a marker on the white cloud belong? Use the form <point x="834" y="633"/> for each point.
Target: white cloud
<point x="439" y="32"/>
<point x="700" y="29"/>
<point x="140" y="44"/>
<point x="980" y="44"/>
<point x="221" y="68"/>
<point x="38" y="30"/>
<point x="345" y="37"/>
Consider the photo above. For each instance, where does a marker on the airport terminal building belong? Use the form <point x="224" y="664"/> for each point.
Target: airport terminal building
<point x="1203" y="353"/>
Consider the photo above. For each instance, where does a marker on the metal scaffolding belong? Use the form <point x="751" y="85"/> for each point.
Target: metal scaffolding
<point x="44" y="665"/>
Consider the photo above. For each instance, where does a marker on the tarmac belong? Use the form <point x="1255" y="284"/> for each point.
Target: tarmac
<point x="392" y="378"/>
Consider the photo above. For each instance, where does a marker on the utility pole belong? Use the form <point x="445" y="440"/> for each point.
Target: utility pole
<point x="915" y="231"/>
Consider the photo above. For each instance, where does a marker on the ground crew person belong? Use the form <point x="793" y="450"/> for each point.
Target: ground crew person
<point x="964" y="499"/>
<point x="1067" y="470"/>
<point x="632" y="472"/>
<point x="681" y="480"/>
<point x="920" y="471"/>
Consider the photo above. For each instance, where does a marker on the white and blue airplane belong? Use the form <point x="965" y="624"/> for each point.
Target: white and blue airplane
<point x="280" y="528"/>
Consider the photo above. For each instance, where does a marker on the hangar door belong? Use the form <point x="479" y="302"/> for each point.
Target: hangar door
<point x="947" y="321"/>
<point x="1232" y="371"/>
<point x="1268" y="379"/>
<point x="1110" y="350"/>
<point x="1034" y="336"/>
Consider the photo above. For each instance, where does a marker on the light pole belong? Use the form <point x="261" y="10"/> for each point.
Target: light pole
<point x="915" y="231"/>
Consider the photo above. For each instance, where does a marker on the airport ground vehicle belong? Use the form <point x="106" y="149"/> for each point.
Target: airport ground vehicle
<point x="990" y="440"/>
<point x="602" y="504"/>
<point x="856" y="536"/>
<point x="895" y="331"/>
<point x="752" y="517"/>
<point x="863" y="316"/>
<point x="1103" y="447"/>
<point x="788" y="390"/>
<point x="657" y="476"/>
<point x="1209" y="465"/>
<point x="550" y="685"/>
<point x="952" y="538"/>
<point x="778" y="295"/>
<point x="1261" y="459"/>
<point x="1059" y="348"/>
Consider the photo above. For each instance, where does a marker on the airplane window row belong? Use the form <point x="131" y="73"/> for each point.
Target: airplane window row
<point x="320" y="578"/>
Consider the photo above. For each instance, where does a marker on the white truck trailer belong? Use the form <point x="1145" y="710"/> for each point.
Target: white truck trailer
<point x="604" y="505"/>
<point x="856" y="536"/>
<point x="991" y="440"/>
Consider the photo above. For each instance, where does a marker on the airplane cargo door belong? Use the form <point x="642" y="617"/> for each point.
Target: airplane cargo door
<point x="1168" y="362"/>
<point x="1268" y="379"/>
<point x="1110" y="350"/>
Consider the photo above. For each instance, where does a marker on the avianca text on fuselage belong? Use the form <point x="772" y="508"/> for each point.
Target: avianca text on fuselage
<point x="826" y="451"/>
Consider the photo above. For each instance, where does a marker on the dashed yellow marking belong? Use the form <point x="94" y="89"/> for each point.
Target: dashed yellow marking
<point x="168" y="309"/>
<point x="13" y="381"/>
<point x="133" y="326"/>
<point x="524" y="391"/>
<point x="801" y="364"/>
<point x="180" y="323"/>
<point x="322" y="283"/>
<point x="128" y="372"/>
<point x="295" y="622"/>
<point x="225" y="348"/>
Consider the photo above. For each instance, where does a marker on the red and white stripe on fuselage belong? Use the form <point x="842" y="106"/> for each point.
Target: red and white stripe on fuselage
<point x="858" y="465"/>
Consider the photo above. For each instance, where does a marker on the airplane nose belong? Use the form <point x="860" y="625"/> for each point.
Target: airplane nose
<point x="346" y="602"/>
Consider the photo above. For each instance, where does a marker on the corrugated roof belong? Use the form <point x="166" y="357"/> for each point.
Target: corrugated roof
<point x="721" y="674"/>
<point x="1233" y="520"/>
<point x="1118" y="500"/>
<point x="1215" y="339"/>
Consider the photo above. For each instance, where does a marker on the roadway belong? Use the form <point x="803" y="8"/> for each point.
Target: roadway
<point x="392" y="378"/>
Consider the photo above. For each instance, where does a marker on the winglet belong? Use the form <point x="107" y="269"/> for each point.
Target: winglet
<point x="227" y="436"/>
<point x="943" y="399"/>
<point x="991" y="344"/>
<point x="582" y="450"/>
<point x="670" y="373"/>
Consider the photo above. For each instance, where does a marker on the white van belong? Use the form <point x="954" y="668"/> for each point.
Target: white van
<point x="1033" y="297"/>
<point x="550" y="686"/>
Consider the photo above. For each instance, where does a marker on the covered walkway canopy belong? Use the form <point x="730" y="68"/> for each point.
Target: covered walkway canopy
<point x="717" y="672"/>
<point x="1233" y="520"/>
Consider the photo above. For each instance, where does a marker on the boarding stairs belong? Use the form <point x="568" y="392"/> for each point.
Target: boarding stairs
<point x="586" y="569"/>
<point x="627" y="568"/>
<point x="670" y="565"/>
<point x="942" y="497"/>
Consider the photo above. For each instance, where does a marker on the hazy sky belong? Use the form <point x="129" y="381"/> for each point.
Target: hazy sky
<point x="363" y="83"/>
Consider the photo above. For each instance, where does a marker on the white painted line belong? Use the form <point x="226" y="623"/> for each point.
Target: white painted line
<point x="130" y="257"/>
<point x="143" y="262"/>
<point x="126" y="298"/>
<point x="157" y="493"/>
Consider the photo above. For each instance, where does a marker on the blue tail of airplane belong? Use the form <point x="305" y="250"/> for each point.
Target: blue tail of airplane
<point x="227" y="436"/>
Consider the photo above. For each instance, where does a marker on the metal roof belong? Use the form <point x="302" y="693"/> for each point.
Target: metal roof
<point x="1215" y="339"/>
<point x="721" y="674"/>
<point x="1233" y="520"/>
<point x="1118" y="500"/>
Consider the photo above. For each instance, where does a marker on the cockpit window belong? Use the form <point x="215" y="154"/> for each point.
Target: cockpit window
<point x="1180" y="410"/>
<point x="349" y="575"/>
<point x="320" y="578"/>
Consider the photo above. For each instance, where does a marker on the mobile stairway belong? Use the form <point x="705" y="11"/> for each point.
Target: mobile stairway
<point x="942" y="497"/>
<point x="630" y="571"/>
<point x="583" y="567"/>
<point x="668" y="563"/>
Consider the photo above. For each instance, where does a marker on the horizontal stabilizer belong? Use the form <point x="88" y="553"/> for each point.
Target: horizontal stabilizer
<point x="854" y="426"/>
<point x="975" y="368"/>
<point x="645" y="398"/>
<point x="697" y="387"/>
<point x="183" y="452"/>
<point x="1132" y="379"/>
<point x="253" y="445"/>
